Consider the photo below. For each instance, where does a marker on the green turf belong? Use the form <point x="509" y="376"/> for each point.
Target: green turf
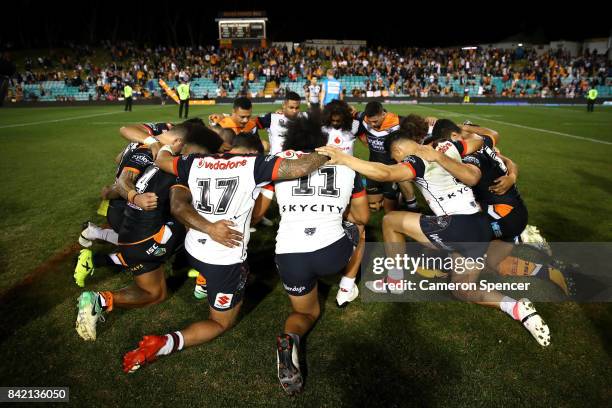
<point x="57" y="159"/>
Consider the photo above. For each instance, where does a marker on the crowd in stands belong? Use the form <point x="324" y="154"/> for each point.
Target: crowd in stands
<point x="415" y="72"/>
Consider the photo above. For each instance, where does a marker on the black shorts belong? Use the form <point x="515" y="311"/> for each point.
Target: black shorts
<point x="224" y="283"/>
<point x="148" y="255"/>
<point x="299" y="271"/>
<point x="386" y="188"/>
<point x="114" y="214"/>
<point x="467" y="234"/>
<point x="507" y="221"/>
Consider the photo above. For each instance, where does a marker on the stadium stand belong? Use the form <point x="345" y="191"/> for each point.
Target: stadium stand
<point x="273" y="71"/>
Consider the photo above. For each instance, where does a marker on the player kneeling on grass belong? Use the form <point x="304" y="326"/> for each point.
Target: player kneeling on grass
<point x="148" y="236"/>
<point x="458" y="218"/>
<point x="493" y="180"/>
<point x="145" y="139"/>
<point x="215" y="189"/>
<point x="311" y="241"/>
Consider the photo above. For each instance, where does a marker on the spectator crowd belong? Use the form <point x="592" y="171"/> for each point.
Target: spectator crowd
<point x="415" y="72"/>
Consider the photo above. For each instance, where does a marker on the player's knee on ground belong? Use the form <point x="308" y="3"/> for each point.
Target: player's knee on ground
<point x="161" y="295"/>
<point x="225" y="320"/>
<point x="313" y="313"/>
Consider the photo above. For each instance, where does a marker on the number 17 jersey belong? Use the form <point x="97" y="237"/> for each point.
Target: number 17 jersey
<point x="223" y="187"/>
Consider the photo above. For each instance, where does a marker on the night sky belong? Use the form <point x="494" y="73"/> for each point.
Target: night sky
<point x="29" y="24"/>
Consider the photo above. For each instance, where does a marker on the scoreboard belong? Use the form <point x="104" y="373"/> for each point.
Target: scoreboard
<point x="236" y="32"/>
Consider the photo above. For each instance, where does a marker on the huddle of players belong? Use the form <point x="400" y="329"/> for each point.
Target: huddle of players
<point x="187" y="183"/>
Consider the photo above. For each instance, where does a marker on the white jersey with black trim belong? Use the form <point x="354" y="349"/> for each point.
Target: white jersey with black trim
<point x="312" y="207"/>
<point x="342" y="139"/>
<point x="444" y="194"/>
<point x="223" y="187"/>
<point x="275" y="124"/>
<point x="313" y="94"/>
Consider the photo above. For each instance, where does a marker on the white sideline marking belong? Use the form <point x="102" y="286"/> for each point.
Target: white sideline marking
<point x="14" y="125"/>
<point x="57" y="120"/>
<point x="587" y="139"/>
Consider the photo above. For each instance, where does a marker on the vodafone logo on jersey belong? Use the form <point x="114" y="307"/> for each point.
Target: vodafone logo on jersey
<point x="219" y="165"/>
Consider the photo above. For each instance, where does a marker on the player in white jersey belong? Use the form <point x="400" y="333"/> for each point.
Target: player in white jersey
<point x="275" y="123"/>
<point x="337" y="121"/>
<point x="215" y="192"/>
<point x="311" y="241"/>
<point x="313" y="94"/>
<point x="458" y="219"/>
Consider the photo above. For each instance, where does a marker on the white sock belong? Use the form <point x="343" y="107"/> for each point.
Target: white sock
<point x="174" y="342"/>
<point x="395" y="274"/>
<point x="104" y="234"/>
<point x="347" y="283"/>
<point x="507" y="304"/>
<point x="109" y="235"/>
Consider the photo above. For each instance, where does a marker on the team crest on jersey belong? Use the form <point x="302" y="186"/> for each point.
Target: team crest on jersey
<point x="159" y="252"/>
<point x="310" y="231"/>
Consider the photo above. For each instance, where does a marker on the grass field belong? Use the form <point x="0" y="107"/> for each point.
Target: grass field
<point x="55" y="161"/>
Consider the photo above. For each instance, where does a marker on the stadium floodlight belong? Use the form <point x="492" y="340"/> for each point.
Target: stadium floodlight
<point x="520" y="44"/>
<point x="469" y="48"/>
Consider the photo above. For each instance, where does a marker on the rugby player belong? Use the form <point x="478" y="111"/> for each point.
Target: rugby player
<point x="338" y="123"/>
<point x="143" y="137"/>
<point x="240" y="120"/>
<point x="492" y="177"/>
<point x="275" y="123"/>
<point x="313" y="94"/>
<point x="311" y="241"/>
<point x="375" y="125"/>
<point x="217" y="191"/>
<point x="458" y="218"/>
<point x="148" y="236"/>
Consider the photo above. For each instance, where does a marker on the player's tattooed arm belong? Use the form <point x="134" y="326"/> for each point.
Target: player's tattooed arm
<point x="126" y="187"/>
<point x="292" y="169"/>
<point x="182" y="209"/>
<point x="372" y="170"/>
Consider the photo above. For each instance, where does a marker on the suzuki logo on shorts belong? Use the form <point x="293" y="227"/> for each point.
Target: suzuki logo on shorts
<point x="223" y="300"/>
